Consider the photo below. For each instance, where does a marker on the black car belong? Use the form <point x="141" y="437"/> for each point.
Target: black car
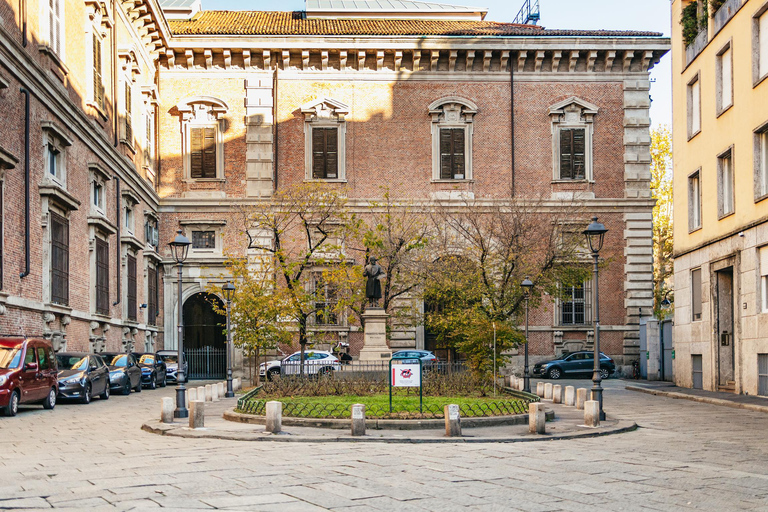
<point x="575" y="363"/>
<point x="153" y="370"/>
<point x="81" y="376"/>
<point x="124" y="372"/>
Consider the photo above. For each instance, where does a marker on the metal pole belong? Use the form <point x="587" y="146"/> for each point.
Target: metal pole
<point x="230" y="393"/>
<point x="597" y="390"/>
<point x="181" y="408"/>
<point x="494" y="358"/>
<point x="526" y="376"/>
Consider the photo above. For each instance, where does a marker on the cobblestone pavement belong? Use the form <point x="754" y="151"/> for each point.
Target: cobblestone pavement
<point x="685" y="456"/>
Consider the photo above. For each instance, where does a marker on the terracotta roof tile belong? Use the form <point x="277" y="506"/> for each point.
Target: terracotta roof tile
<point x="278" y="23"/>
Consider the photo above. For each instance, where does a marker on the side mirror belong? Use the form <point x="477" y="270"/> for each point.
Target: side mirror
<point x="93" y="368"/>
<point x="31" y="367"/>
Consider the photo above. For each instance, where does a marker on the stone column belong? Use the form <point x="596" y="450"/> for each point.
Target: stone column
<point x="375" y="348"/>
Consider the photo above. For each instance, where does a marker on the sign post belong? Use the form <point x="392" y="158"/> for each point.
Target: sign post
<point x="405" y="374"/>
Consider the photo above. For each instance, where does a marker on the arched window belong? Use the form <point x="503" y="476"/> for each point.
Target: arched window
<point x="452" y="138"/>
<point x="202" y="138"/>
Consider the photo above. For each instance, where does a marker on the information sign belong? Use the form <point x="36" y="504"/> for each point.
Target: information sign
<point x="406" y="375"/>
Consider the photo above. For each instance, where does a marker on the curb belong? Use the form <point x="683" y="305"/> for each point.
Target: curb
<point x="384" y="424"/>
<point x="165" y="429"/>
<point x="703" y="399"/>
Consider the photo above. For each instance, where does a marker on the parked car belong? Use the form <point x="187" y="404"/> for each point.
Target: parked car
<point x="575" y="363"/>
<point x="427" y="357"/>
<point x="316" y="362"/>
<point x="27" y="373"/>
<point x="81" y="376"/>
<point x="153" y="370"/>
<point x="171" y="360"/>
<point x="124" y="372"/>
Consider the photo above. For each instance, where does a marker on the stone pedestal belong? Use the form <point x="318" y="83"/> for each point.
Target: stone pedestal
<point x="375" y="325"/>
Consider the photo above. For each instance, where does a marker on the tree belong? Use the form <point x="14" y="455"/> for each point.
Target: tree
<point x="488" y="251"/>
<point x="661" y="190"/>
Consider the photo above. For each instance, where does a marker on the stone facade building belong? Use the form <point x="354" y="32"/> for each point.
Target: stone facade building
<point x="244" y="103"/>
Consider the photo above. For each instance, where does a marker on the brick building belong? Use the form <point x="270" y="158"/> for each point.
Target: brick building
<point x="249" y="102"/>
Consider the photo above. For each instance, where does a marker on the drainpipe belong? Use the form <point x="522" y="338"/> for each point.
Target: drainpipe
<point x="24" y="23"/>
<point x="274" y="130"/>
<point x="118" y="212"/>
<point x="512" y="115"/>
<point x="25" y="273"/>
<point x="115" y="124"/>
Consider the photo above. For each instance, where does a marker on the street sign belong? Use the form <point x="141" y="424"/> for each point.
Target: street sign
<point x="406" y="375"/>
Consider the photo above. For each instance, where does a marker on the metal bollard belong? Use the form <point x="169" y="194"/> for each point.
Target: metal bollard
<point x="452" y="420"/>
<point x="358" y="420"/>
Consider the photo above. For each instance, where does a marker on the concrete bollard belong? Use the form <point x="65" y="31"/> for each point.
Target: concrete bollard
<point x="166" y="410"/>
<point x="214" y="392"/>
<point x="540" y="389"/>
<point x="220" y="389"/>
<point x="236" y="384"/>
<point x="358" y="420"/>
<point x="548" y="391"/>
<point x="196" y="414"/>
<point x="452" y="421"/>
<point x="537" y="420"/>
<point x="592" y="413"/>
<point x="557" y="394"/>
<point x="274" y="416"/>
<point x="521" y="385"/>
<point x="191" y="394"/>
<point x="581" y="397"/>
<point x="201" y="393"/>
<point x="570" y="396"/>
<point x="208" y="393"/>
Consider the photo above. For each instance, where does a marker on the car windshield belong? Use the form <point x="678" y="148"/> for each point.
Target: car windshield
<point x="118" y="360"/>
<point x="72" y="362"/>
<point x="169" y="358"/>
<point x="147" y="359"/>
<point x="10" y="357"/>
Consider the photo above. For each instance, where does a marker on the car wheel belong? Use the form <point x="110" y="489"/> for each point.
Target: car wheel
<point x="153" y="383"/>
<point x="86" y="398"/>
<point x="105" y="394"/>
<point x="50" y="400"/>
<point x="138" y="386"/>
<point x="604" y="373"/>
<point x="554" y="373"/>
<point x="127" y="386"/>
<point x="274" y="373"/>
<point x="164" y="383"/>
<point x="326" y="370"/>
<point x="13" y="405"/>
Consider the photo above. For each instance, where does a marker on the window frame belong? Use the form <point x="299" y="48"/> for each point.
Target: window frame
<point x="569" y="114"/>
<point x="452" y="112"/>
<point x="102" y="305"/>
<point x="760" y="161"/>
<point x="694" y="200"/>
<point x="758" y="73"/>
<point x="723" y="104"/>
<point x="326" y="130"/>
<point x="153" y="293"/>
<point x="131" y="287"/>
<point x="694" y="302"/>
<point x="63" y="272"/>
<point x="586" y="302"/>
<point x="201" y="112"/>
<point x="330" y="299"/>
<point x="694" y="105"/>
<point x="216" y="226"/>
<point x="324" y="113"/>
<point x="56" y="44"/>
<point x="726" y="196"/>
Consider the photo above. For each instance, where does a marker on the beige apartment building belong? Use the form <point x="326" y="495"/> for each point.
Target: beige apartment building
<point x="720" y="66"/>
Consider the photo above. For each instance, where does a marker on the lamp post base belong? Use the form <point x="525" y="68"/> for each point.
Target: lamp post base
<point x="181" y="410"/>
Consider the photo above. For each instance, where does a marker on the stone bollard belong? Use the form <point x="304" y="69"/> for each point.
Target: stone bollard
<point x="196" y="414"/>
<point x="581" y="397"/>
<point x="208" y="393"/>
<point x="540" y="389"/>
<point x="548" y="391"/>
<point x="452" y="421"/>
<point x="557" y="394"/>
<point x="201" y="393"/>
<point x="592" y="413"/>
<point x="191" y="394"/>
<point x="166" y="411"/>
<point x="274" y="416"/>
<point x="570" y="396"/>
<point x="537" y="420"/>
<point x="236" y="384"/>
<point x="214" y="392"/>
<point x="358" y="420"/>
<point x="222" y="389"/>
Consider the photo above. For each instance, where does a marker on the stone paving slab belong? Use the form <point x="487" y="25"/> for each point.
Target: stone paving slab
<point x="666" y="389"/>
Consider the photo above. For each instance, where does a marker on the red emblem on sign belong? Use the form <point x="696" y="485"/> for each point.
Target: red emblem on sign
<point x="406" y="374"/>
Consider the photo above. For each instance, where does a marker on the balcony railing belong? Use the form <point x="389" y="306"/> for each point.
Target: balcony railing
<point x="695" y="48"/>
<point x="726" y="12"/>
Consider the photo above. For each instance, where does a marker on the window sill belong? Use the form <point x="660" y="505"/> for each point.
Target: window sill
<point x="697" y="228"/>
<point x="760" y="80"/>
<point x="690" y="137"/>
<point x="58" y="308"/>
<point x="102" y="316"/>
<point x="323" y="180"/>
<point x="99" y="110"/>
<point x="129" y="145"/>
<point x="569" y="181"/>
<point x="762" y="197"/>
<point x="724" y="110"/>
<point x="131" y="240"/>
<point x="102" y="223"/>
<point x="46" y="49"/>
<point x="466" y="180"/>
<point x="59" y="195"/>
<point x="204" y="180"/>
<point x="726" y="215"/>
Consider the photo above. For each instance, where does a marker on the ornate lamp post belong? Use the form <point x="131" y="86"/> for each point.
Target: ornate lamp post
<point x="180" y="248"/>
<point x="595" y="234"/>
<point x="527" y="284"/>
<point x="229" y="294"/>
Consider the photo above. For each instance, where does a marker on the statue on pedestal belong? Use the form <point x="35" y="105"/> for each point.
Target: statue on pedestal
<point x="374" y="273"/>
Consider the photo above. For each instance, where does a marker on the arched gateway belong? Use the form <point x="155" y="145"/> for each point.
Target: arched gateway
<point x="204" y="338"/>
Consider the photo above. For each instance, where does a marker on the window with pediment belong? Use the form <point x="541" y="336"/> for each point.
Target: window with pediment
<point x="452" y="138"/>
<point x="325" y="139"/>
<point x="201" y="119"/>
<point x="572" y="130"/>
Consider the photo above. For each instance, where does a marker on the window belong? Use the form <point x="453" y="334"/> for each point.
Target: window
<point x="325" y="302"/>
<point x="102" y="277"/>
<point x="572" y="154"/>
<point x="574" y="305"/>
<point x="761" y="162"/>
<point x="694" y="107"/>
<point x="572" y="126"/>
<point x="725" y="183"/>
<point x="202" y="143"/>
<point x="52" y="21"/>
<point x="763" y="254"/>
<point x="324" y="139"/>
<point x="724" y="69"/>
<point x="55" y="143"/>
<point x="59" y="259"/>
<point x="152" y="294"/>
<point x="98" y="79"/>
<point x="694" y="201"/>
<point x="128" y="217"/>
<point x="128" y="106"/>
<point x="43" y="358"/>
<point x="203" y="239"/>
<point x="98" y="195"/>
<point x="760" y="45"/>
<point x="131" y="291"/>
<point x="696" y="294"/>
<point x="325" y="153"/>
<point x="452" y="131"/>
<point x="150" y="232"/>
<point x="55" y="169"/>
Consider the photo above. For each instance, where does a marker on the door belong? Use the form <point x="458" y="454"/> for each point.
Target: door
<point x="725" y="352"/>
<point x="29" y="380"/>
<point x="96" y="372"/>
<point x="762" y="374"/>
<point x="698" y="371"/>
<point x="46" y="370"/>
<point x="667" y="348"/>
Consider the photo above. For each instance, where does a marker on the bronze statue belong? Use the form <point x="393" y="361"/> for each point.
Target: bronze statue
<point x="374" y="273"/>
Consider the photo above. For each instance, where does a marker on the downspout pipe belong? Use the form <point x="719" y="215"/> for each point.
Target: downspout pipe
<point x="512" y="117"/>
<point x="118" y="211"/>
<point x="115" y="122"/>
<point x="24" y="23"/>
<point x="27" y="178"/>
<point x="274" y="131"/>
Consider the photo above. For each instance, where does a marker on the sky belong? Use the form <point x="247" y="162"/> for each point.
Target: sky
<point x="653" y="15"/>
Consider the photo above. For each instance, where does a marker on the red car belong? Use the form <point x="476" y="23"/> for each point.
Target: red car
<point x="28" y="373"/>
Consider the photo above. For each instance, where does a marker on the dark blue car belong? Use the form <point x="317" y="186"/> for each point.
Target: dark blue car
<point x="574" y="364"/>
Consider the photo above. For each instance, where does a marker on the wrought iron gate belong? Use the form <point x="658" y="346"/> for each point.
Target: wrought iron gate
<point x="206" y="363"/>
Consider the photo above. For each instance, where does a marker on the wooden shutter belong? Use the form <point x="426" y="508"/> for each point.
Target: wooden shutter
<point x="131" y="287"/>
<point x="446" y="160"/>
<point x="579" y="159"/>
<point x="98" y="88"/>
<point x="102" y="277"/>
<point x="566" y="154"/>
<point x="59" y="259"/>
<point x="152" y="292"/>
<point x="209" y="153"/>
<point x="458" y="153"/>
<point x="573" y="161"/>
<point x="128" y="113"/>
<point x="331" y="153"/>
<point x="318" y="153"/>
<point x="452" y="154"/>
<point x="196" y="152"/>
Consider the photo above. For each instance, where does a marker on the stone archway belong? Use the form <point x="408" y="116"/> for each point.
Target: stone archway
<point x="204" y="338"/>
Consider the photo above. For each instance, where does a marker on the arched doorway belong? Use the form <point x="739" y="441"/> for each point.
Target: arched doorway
<point x="204" y="340"/>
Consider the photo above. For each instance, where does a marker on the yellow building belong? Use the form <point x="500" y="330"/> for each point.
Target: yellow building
<point x="720" y="94"/>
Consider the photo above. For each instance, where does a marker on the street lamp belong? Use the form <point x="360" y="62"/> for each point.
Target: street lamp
<point x="180" y="248"/>
<point x="665" y="302"/>
<point x="595" y="234"/>
<point x="229" y="294"/>
<point x="527" y="284"/>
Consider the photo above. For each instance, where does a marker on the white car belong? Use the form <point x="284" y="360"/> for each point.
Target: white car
<point x="316" y="362"/>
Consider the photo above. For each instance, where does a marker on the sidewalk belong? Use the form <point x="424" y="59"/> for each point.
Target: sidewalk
<point x="667" y="389"/>
<point x="568" y="424"/>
